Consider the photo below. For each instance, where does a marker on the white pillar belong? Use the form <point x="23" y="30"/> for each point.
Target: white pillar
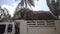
<point x="57" y="24"/>
<point x="23" y="27"/>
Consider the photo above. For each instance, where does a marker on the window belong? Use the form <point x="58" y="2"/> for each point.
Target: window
<point x="10" y="28"/>
<point x="2" y="28"/>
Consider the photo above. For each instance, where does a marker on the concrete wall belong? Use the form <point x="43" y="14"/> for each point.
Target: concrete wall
<point x="42" y="30"/>
<point x="57" y="24"/>
<point x="23" y="27"/>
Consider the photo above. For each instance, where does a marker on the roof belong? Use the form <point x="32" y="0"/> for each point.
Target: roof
<point x="39" y="15"/>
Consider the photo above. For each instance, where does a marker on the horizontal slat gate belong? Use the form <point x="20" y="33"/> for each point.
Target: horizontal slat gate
<point x="41" y="27"/>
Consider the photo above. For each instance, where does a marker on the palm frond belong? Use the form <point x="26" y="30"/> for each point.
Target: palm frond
<point x="31" y="2"/>
<point x="21" y="3"/>
<point x="16" y="0"/>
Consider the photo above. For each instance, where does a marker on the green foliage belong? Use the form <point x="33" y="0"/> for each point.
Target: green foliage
<point x="31" y="2"/>
<point x="4" y="15"/>
<point x="54" y="7"/>
<point x="20" y="14"/>
<point x="26" y="3"/>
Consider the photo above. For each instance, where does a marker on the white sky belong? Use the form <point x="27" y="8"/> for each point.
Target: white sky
<point x="40" y="5"/>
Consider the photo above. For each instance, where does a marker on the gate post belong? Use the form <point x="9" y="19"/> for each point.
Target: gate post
<point x="57" y="24"/>
<point x="23" y="27"/>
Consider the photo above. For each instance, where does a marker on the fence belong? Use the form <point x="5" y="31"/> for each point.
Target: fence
<point x="39" y="26"/>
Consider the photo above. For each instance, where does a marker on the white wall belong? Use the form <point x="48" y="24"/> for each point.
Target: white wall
<point x="23" y="28"/>
<point x="42" y="30"/>
<point x="57" y="24"/>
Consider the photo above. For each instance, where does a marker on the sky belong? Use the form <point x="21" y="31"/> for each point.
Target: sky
<point x="11" y="5"/>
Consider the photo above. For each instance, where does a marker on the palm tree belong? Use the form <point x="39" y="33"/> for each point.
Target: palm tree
<point x="54" y="7"/>
<point x="26" y="2"/>
<point x="22" y="9"/>
<point x="20" y="14"/>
